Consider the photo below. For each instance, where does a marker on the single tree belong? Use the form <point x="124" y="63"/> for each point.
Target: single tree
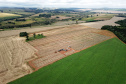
<point x="22" y="34"/>
<point x="27" y="37"/>
<point x="30" y="25"/>
<point x="76" y="21"/>
<point x="42" y="34"/>
<point x="34" y="35"/>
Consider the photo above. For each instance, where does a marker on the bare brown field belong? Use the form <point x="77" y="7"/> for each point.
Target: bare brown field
<point x="63" y="30"/>
<point x="77" y="37"/>
<point x="107" y="33"/>
<point x="14" y="54"/>
<point x="99" y="24"/>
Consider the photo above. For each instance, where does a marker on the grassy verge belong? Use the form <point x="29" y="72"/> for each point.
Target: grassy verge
<point x="104" y="63"/>
<point x="39" y="36"/>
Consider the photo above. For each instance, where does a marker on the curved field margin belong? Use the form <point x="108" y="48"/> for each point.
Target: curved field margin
<point x="101" y="64"/>
<point x="99" y="24"/>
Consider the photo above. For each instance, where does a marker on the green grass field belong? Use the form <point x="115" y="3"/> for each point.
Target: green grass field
<point x="99" y="17"/>
<point x="104" y="63"/>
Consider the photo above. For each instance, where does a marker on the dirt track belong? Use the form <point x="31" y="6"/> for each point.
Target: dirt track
<point x="99" y="24"/>
<point x="29" y="30"/>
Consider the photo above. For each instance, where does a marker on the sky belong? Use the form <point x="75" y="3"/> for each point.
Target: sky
<point x="64" y="3"/>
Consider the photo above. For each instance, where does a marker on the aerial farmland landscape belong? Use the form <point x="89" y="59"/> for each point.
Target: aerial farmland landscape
<point x="62" y="42"/>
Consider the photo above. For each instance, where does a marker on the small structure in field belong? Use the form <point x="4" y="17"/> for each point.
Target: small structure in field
<point x="62" y="50"/>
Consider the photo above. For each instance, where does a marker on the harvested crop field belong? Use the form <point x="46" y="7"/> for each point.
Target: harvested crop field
<point x="100" y="64"/>
<point x="14" y="53"/>
<point x="75" y="38"/>
<point x="99" y="24"/>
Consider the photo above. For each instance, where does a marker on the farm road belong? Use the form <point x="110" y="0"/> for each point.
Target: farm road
<point x="99" y="24"/>
<point x="29" y="30"/>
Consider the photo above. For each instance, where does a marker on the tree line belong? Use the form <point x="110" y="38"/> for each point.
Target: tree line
<point x="25" y="34"/>
<point x="119" y="31"/>
<point x="45" y="15"/>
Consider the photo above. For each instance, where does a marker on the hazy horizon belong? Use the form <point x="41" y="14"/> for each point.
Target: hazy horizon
<point x="64" y="3"/>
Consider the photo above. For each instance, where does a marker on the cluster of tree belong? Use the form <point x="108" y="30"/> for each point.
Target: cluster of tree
<point x="46" y="22"/>
<point x="1" y="11"/>
<point x="49" y="22"/>
<point x="14" y="26"/>
<point x="22" y="34"/>
<point x="6" y="27"/>
<point x="66" y="10"/>
<point x="92" y="20"/>
<point x="11" y="22"/>
<point x="25" y="34"/>
<point x="20" y="19"/>
<point x="122" y="22"/>
<point x="45" y="15"/>
<point x="34" y="35"/>
<point x="119" y="31"/>
<point x="8" y="18"/>
<point x="57" y="17"/>
<point x="35" y="10"/>
<point x="121" y="15"/>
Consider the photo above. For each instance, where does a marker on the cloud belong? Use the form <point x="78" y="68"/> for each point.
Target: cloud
<point x="64" y="3"/>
